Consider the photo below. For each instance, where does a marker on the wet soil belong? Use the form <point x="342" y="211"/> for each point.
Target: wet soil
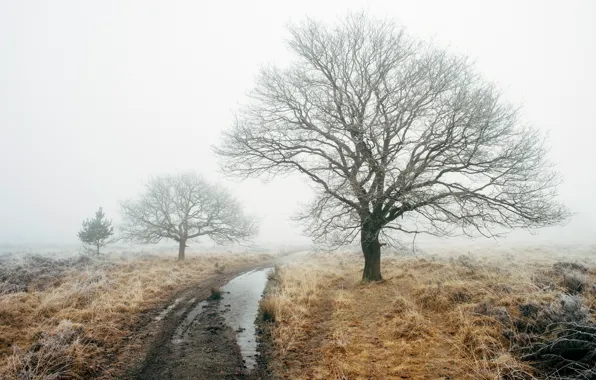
<point x="194" y="337"/>
<point x="202" y="347"/>
<point x="189" y="338"/>
<point x="215" y="338"/>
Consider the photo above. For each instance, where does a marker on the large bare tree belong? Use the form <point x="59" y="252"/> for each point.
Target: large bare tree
<point x="396" y="134"/>
<point x="184" y="207"/>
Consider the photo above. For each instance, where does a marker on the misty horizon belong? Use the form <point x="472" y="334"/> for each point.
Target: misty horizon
<point x="98" y="98"/>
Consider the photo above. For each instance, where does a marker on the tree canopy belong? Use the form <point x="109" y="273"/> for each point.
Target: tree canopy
<point x="183" y="207"/>
<point x="397" y="135"/>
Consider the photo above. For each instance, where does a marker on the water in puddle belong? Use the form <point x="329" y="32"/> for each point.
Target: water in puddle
<point x="240" y="306"/>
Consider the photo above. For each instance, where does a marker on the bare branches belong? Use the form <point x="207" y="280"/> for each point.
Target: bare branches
<point x="183" y="207"/>
<point x="394" y="133"/>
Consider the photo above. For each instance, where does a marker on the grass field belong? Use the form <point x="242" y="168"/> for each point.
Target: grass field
<point x="68" y="318"/>
<point x="486" y="314"/>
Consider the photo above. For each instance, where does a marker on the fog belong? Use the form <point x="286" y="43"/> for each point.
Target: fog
<point x="95" y="97"/>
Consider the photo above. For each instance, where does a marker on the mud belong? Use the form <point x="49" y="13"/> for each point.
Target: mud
<point x="202" y="347"/>
<point x="193" y="337"/>
<point x="154" y="346"/>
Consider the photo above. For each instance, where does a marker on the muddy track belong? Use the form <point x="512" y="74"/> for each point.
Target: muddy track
<point x="203" y="348"/>
<point x="188" y="339"/>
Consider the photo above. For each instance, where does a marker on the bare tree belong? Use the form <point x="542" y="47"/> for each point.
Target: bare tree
<point x="183" y="207"/>
<point x="396" y="135"/>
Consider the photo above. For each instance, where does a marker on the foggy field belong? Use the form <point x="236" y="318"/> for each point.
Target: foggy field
<point x="396" y="189"/>
<point x="71" y="317"/>
<point x="464" y="312"/>
<point x="449" y="310"/>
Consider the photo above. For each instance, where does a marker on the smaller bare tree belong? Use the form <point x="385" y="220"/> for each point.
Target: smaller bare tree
<point x="184" y="207"/>
<point x="96" y="232"/>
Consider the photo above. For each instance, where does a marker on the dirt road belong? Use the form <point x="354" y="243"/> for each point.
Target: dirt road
<point x="202" y="347"/>
<point x="191" y="338"/>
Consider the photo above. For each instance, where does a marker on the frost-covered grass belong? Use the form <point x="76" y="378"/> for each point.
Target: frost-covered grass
<point x="63" y="317"/>
<point x="467" y="313"/>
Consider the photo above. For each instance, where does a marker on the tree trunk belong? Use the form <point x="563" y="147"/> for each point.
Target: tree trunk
<point x="181" y="249"/>
<point x="371" y="248"/>
<point x="97" y="249"/>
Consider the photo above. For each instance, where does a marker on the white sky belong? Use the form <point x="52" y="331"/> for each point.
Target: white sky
<point x="97" y="96"/>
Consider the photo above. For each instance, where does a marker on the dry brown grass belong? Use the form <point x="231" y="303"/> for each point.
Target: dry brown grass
<point x="431" y="319"/>
<point x="74" y="326"/>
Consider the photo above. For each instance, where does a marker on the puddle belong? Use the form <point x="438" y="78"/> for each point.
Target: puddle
<point x="208" y="339"/>
<point x="240" y="306"/>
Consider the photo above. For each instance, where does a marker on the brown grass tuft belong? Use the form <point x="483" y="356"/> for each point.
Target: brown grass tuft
<point x="268" y="307"/>
<point x="216" y="294"/>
